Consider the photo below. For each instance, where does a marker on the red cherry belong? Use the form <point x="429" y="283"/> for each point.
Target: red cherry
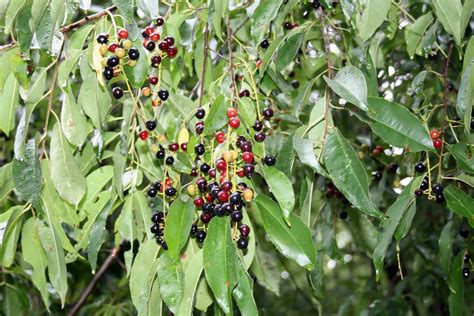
<point x="247" y="157"/>
<point x="209" y="198"/>
<point x="234" y="122"/>
<point x="244" y="230"/>
<point x="212" y="172"/>
<point x="153" y="80"/>
<point x="438" y="143"/>
<point x="155" y="37"/>
<point x="231" y="112"/>
<point x="226" y="186"/>
<point x="174" y="147"/>
<point x="223" y="196"/>
<point x="149" y="30"/>
<point x="122" y="33"/>
<point x="222" y="178"/>
<point x="143" y="135"/>
<point x="113" y="47"/>
<point x="205" y="218"/>
<point x="434" y="134"/>
<point x="184" y="146"/>
<point x="241" y="173"/>
<point x="168" y="182"/>
<point x="198" y="201"/>
<point x="258" y="63"/>
<point x="220" y="137"/>
<point x="221" y="164"/>
<point x="163" y="46"/>
<point x="172" y="51"/>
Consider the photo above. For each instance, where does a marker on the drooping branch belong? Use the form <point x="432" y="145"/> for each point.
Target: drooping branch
<point x="231" y="61"/>
<point x="69" y="27"/>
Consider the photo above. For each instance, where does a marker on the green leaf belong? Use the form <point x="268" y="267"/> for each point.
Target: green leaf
<point x="220" y="262"/>
<point x="171" y="280"/>
<point x="394" y="215"/>
<point x="247" y="111"/>
<point x="456" y="285"/>
<point x="303" y="95"/>
<point x="460" y="153"/>
<point x="282" y="189"/>
<point x="34" y="254"/>
<point x="65" y="172"/>
<point x="178" y="225"/>
<point x="465" y="96"/>
<point x="22" y="27"/>
<point x="191" y="279"/>
<point x="448" y="13"/>
<point x="286" y="156"/>
<point x="27" y="174"/>
<point x="469" y="52"/>
<point x="263" y="16"/>
<point x="150" y="7"/>
<point x="217" y="117"/>
<point x="57" y="270"/>
<point x="142" y="275"/>
<point x="293" y="242"/>
<point x="266" y="270"/>
<point x="125" y="228"/>
<point x="349" y="83"/>
<point x="94" y="99"/>
<point x="142" y="213"/>
<point x="445" y="245"/>
<point x="347" y="172"/>
<point x="126" y="9"/>
<point x="288" y="51"/>
<point x="371" y="17"/>
<point x="37" y="86"/>
<point x="138" y="74"/>
<point x="9" y="98"/>
<point x="6" y="181"/>
<point x="414" y="33"/>
<point x="73" y="122"/>
<point x="395" y="124"/>
<point x="10" y="226"/>
<point x="459" y="201"/>
<point x="218" y="10"/>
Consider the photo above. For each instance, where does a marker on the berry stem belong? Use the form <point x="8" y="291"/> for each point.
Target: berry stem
<point x="204" y="64"/>
<point x="327" y="107"/>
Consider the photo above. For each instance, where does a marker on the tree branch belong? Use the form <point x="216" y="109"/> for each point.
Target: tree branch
<point x="113" y="255"/>
<point x="69" y="27"/>
<point x="328" y="62"/>
<point x="204" y="63"/>
<point x="231" y="61"/>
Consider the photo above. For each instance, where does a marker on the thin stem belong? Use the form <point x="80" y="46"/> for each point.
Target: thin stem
<point x="69" y="27"/>
<point x="329" y="70"/>
<point x="204" y="63"/>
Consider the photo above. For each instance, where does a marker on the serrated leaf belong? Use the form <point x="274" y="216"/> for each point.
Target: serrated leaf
<point x="414" y="33"/>
<point x="448" y="13"/>
<point x="178" y="226"/>
<point x="371" y="17"/>
<point x="142" y="276"/>
<point x="293" y="242"/>
<point x="171" y="281"/>
<point x="460" y="153"/>
<point x="349" y="83"/>
<point x="65" y="172"/>
<point x="286" y="156"/>
<point x="397" y="125"/>
<point x="262" y="17"/>
<point x="347" y="172"/>
<point x="282" y="189"/>
<point x="27" y="174"/>
<point x="459" y="201"/>
<point x="288" y="51"/>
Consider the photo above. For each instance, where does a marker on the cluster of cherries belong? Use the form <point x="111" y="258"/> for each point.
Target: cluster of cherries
<point x="152" y="36"/>
<point x="437" y="142"/>
<point x="158" y="228"/>
<point x="437" y="188"/>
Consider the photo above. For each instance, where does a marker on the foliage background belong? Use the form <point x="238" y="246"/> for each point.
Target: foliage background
<point x="69" y="196"/>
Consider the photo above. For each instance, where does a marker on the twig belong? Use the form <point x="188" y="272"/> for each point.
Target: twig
<point x="445" y="105"/>
<point x="86" y="19"/>
<point x="94" y="281"/>
<point x="231" y="61"/>
<point x="204" y="63"/>
<point x="8" y="46"/>
<point x="328" y="62"/>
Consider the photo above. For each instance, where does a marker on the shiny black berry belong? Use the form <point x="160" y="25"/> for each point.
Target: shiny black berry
<point x="343" y="215"/>
<point x="440" y="198"/>
<point x="419" y="192"/>
<point x="200" y="235"/>
<point x="295" y="84"/>
<point x="170" y="191"/>
<point x="236" y="216"/>
<point x="155" y="229"/>
<point x="108" y="73"/>
<point x="420" y="167"/>
<point x="438" y="188"/>
<point x="260" y="137"/>
<point x="160" y="154"/>
<point x="204" y="167"/>
<point x="264" y="44"/>
<point x="150" y="125"/>
<point x="160" y="21"/>
<point x="133" y="53"/>
<point x="269" y="160"/>
<point x="244" y="93"/>
<point x="267" y="113"/>
<point x="163" y="94"/>
<point x="102" y="39"/>
<point x="169" y="160"/>
<point x="235" y="198"/>
<point x="242" y="243"/>
<point x="155" y="61"/>
<point x="200" y="113"/>
<point x="466" y="272"/>
<point x="113" y="61"/>
<point x="164" y="245"/>
<point x="316" y="4"/>
<point x="117" y="92"/>
<point x="152" y="192"/>
<point x="378" y="175"/>
<point x="194" y="229"/>
<point x="258" y="126"/>
<point x="158" y="217"/>
<point x="199" y="149"/>
<point x="150" y="46"/>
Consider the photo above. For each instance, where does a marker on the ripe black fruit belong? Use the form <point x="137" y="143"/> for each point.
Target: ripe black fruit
<point x="155" y="229"/>
<point x="295" y="84"/>
<point x="170" y="191"/>
<point x="163" y="94"/>
<point x="267" y="113"/>
<point x="258" y="126"/>
<point x="242" y="243"/>
<point x="343" y="215"/>
<point x="264" y="44"/>
<point x="438" y="188"/>
<point x="117" y="92"/>
<point x="150" y="46"/>
<point x="194" y="229"/>
<point x="420" y="167"/>
<point x="160" y="154"/>
<point x="440" y="198"/>
<point x="199" y="149"/>
<point x="200" y="235"/>
<point x="200" y="113"/>
<point x="269" y="160"/>
<point x="150" y="125"/>
<point x="316" y="4"/>
<point x="205" y="167"/>
<point x="155" y="61"/>
<point x="108" y="73"/>
<point x="235" y="198"/>
<point x="236" y="216"/>
<point x="133" y="53"/>
<point x="102" y="39"/>
<point x="158" y="217"/>
<point x="465" y="272"/>
<point x="160" y="21"/>
<point x="169" y="160"/>
<point x="152" y="192"/>
<point x="113" y="61"/>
